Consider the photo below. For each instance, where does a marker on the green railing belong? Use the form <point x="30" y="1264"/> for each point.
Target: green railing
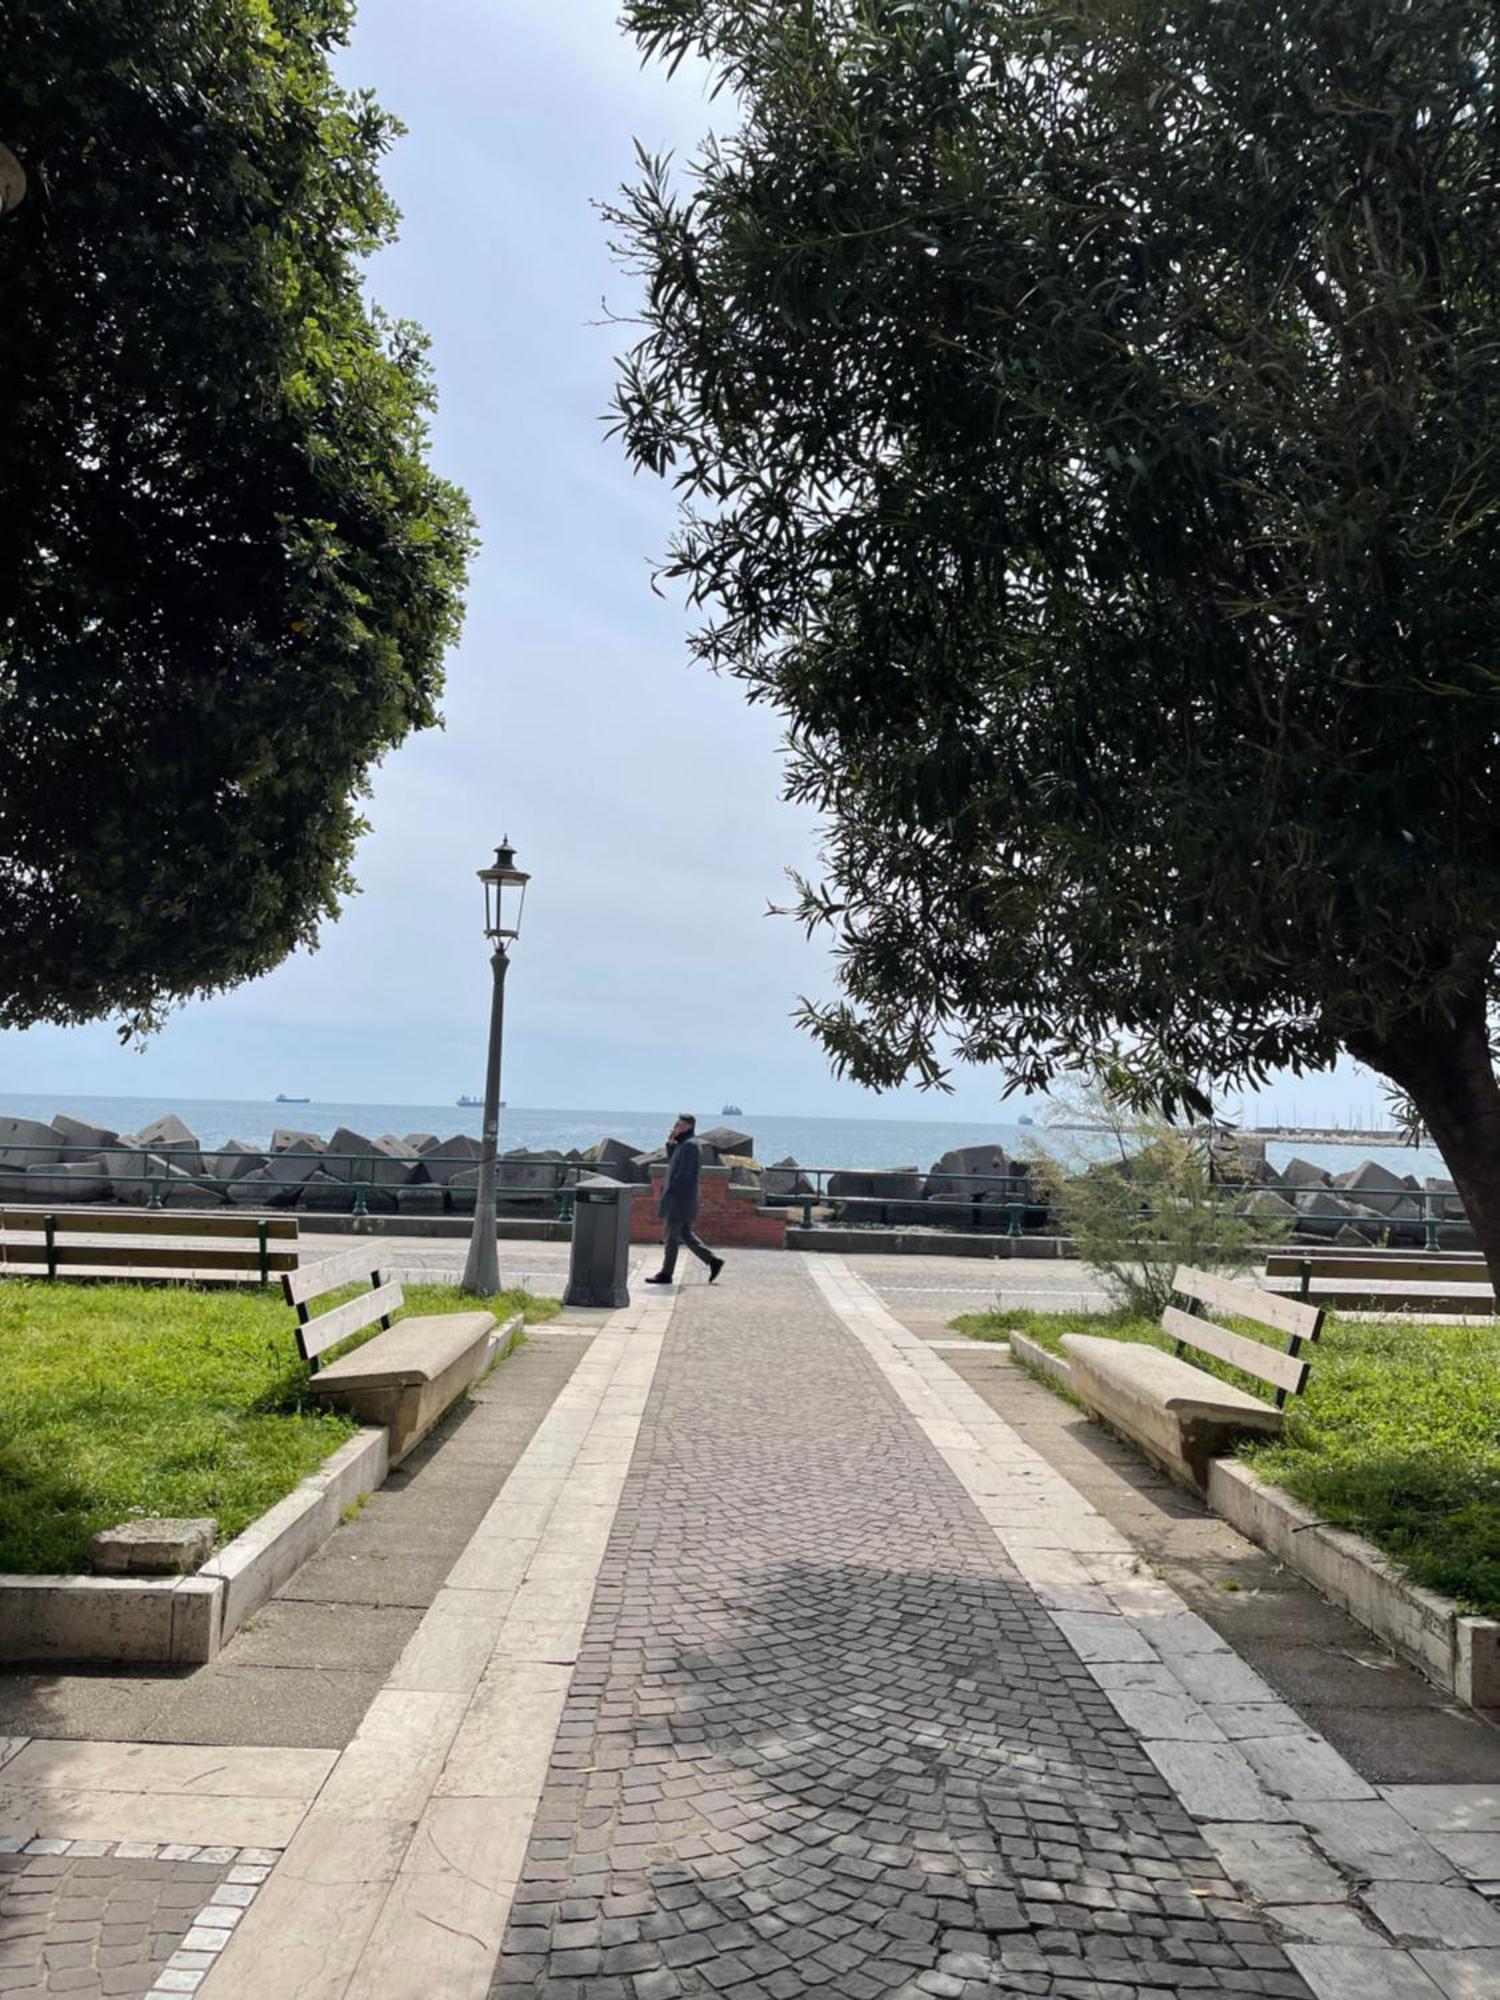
<point x="1012" y="1199"/>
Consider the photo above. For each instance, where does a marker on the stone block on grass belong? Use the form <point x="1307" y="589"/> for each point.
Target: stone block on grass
<point x="153" y="1547"/>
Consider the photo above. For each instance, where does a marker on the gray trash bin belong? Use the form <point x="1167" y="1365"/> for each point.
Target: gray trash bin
<point x="601" y="1244"/>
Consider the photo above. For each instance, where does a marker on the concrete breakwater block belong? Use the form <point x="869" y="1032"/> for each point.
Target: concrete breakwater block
<point x="25" y="1143"/>
<point x="82" y="1141"/>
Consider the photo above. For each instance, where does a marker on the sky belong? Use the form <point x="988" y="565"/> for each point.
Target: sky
<point x="643" y="794"/>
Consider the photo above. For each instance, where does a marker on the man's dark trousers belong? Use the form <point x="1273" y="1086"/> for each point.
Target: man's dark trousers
<point x="681" y="1236"/>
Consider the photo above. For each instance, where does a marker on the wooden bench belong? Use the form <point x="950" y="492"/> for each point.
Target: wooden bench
<point x="408" y="1374"/>
<point x="1437" y="1281"/>
<point x="147" y="1245"/>
<point x="1180" y="1415"/>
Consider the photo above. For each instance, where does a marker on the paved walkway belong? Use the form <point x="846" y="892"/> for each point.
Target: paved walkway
<point x="822" y="1733"/>
<point x="781" y="1662"/>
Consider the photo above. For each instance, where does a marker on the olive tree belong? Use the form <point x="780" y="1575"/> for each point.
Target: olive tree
<point x="228" y="577"/>
<point x="1087" y="425"/>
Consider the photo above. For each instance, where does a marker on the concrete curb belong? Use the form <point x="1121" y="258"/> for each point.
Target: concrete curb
<point x="1042" y="1360"/>
<point x="1459" y="1653"/>
<point x="185" y="1620"/>
<point x="251" y="1567"/>
<point x="920" y="1242"/>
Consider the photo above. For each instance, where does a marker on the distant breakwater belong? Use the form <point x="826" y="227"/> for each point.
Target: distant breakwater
<point x="68" y="1161"/>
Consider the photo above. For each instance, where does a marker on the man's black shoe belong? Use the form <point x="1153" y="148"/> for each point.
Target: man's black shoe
<point x="715" y="1268"/>
<point x="661" y="1278"/>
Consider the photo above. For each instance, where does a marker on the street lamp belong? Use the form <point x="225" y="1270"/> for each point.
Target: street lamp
<point x="504" y="900"/>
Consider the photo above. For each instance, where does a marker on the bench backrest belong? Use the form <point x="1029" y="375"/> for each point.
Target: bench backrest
<point x="231" y="1245"/>
<point x="1436" y="1267"/>
<point x="316" y="1334"/>
<point x="1284" y="1369"/>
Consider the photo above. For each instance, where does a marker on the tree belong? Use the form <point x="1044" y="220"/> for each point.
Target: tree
<point x="227" y="576"/>
<point x="1087" y="422"/>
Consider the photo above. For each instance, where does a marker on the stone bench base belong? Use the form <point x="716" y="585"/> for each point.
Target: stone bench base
<point x="406" y="1377"/>
<point x="1180" y="1416"/>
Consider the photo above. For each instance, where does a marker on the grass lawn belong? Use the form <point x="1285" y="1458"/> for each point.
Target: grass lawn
<point x="1396" y="1437"/>
<point x="123" y="1400"/>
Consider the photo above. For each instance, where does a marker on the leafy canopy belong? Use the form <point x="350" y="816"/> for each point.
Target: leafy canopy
<point x="227" y="576"/>
<point x="1087" y="423"/>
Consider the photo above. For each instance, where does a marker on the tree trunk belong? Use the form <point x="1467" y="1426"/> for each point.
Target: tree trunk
<point x="1446" y="1070"/>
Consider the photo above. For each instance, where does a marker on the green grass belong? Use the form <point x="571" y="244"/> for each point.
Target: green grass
<point x="1397" y="1437"/>
<point x="126" y="1400"/>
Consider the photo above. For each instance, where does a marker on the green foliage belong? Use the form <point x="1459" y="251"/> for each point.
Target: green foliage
<point x="1084" y="417"/>
<point x="1152" y="1202"/>
<point x="1395" y="1437"/>
<point x="128" y="1400"/>
<point x="227" y="576"/>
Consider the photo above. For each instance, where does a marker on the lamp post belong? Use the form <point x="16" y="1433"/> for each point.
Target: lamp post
<point x="504" y="900"/>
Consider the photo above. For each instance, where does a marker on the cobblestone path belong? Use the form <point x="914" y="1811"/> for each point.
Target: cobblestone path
<point x="118" y="1920"/>
<point x="822" y="1737"/>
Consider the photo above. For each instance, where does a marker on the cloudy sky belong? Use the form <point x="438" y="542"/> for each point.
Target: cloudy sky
<point x="643" y="794"/>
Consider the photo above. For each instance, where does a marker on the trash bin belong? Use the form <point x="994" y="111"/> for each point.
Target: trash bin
<point x="601" y="1243"/>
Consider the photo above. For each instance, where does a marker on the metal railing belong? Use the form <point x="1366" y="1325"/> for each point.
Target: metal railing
<point x="1020" y="1203"/>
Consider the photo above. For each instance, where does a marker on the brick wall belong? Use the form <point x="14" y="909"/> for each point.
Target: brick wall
<point x="729" y="1217"/>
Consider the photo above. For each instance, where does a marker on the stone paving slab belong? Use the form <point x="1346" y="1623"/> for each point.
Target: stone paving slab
<point x="416" y="1841"/>
<point x="1403" y="1894"/>
<point x="1388" y="1722"/>
<point x="108" y="1920"/>
<point x="821" y="1732"/>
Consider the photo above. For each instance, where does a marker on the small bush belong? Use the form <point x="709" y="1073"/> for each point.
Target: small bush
<point x="1154" y="1201"/>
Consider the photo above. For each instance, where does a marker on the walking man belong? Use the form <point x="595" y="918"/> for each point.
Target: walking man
<point x="678" y="1207"/>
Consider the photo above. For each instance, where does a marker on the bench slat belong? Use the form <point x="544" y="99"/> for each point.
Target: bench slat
<point x="1283" y="1371"/>
<point x="1247" y="1302"/>
<point x="359" y="1266"/>
<point x="316" y="1336"/>
<point x="145" y="1222"/>
<point x="144" y="1257"/>
<point x="1401" y="1270"/>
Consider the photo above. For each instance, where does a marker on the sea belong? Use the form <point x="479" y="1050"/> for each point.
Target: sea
<point x="812" y="1142"/>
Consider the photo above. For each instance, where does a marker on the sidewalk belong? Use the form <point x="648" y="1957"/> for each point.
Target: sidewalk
<point x="793" y="1653"/>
